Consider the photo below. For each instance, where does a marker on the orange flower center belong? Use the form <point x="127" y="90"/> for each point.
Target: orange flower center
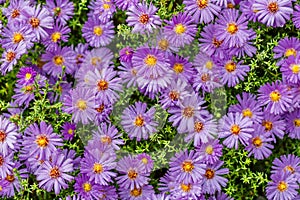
<point x="10" y="178"/>
<point x="54" y="172"/>
<point x="235" y="129"/>
<point x="268" y="125"/>
<point x="58" y="60"/>
<point x="2" y="136"/>
<point x="202" y="4"/>
<point x="35" y="22"/>
<point x="209" y="174"/>
<point x="15" y="13"/>
<point x="198" y="126"/>
<point x="186" y="188"/>
<point x="273" y="7"/>
<point x="42" y="141"/>
<point x="144" y="18"/>
<point x="102" y="85"/>
<point x="230" y="66"/>
<point x="10" y="56"/>
<point x="232" y="28"/>
<point x="139" y="121"/>
<point x="132" y="174"/>
<point x="174" y="95"/>
<point x="187" y="166"/>
<point x="257" y="142"/>
<point x="106" y="139"/>
<point x="282" y="186"/>
<point x="136" y="192"/>
<point x="188" y="112"/>
<point x="247" y="113"/>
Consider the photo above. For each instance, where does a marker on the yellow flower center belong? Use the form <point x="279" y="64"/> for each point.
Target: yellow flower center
<point x="247" y="113"/>
<point x="58" y="60"/>
<point x="186" y="188"/>
<point x="10" y="178"/>
<point x="139" y="121"/>
<point x="297" y="122"/>
<point x="188" y="112"/>
<point x="273" y="7"/>
<point x="150" y="60"/>
<point x="81" y="104"/>
<point x="282" y="186"/>
<point x="106" y="6"/>
<point x="268" y="125"/>
<point x="95" y="61"/>
<point x="102" y="85"/>
<point x="187" y="166"/>
<point x="55" y="36"/>
<point x="290" y="52"/>
<point x="132" y="174"/>
<point x="289" y="168"/>
<point x="198" y="127"/>
<point x="87" y="187"/>
<point x="209" y="173"/>
<point x="275" y="96"/>
<point x="202" y="4"/>
<point x="98" y="168"/>
<point x="54" y="172"/>
<point x="235" y="129"/>
<point x="230" y="5"/>
<point x="136" y="192"/>
<point x="230" y="66"/>
<point x="42" y="141"/>
<point x="70" y="131"/>
<point x="28" y="76"/>
<point x="295" y="69"/>
<point x="209" y="149"/>
<point x="106" y="139"/>
<point x="178" y="68"/>
<point x="179" y="29"/>
<point x="18" y="37"/>
<point x="257" y="142"/>
<point x="209" y="64"/>
<point x="232" y="28"/>
<point x="163" y="44"/>
<point x="145" y="160"/>
<point x="98" y="30"/>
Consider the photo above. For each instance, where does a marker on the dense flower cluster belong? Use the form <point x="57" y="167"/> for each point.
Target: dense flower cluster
<point x="87" y="79"/>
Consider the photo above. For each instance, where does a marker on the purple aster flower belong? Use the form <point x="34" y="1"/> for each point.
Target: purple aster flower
<point x="209" y="44"/>
<point x="210" y="151"/>
<point x="16" y="10"/>
<point x="26" y="76"/>
<point x="187" y="167"/>
<point x="232" y="72"/>
<point x="97" y="59"/>
<point x="234" y="127"/>
<point x="146" y="160"/>
<point x="259" y="145"/>
<point x="104" y="84"/>
<point x="287" y="163"/>
<point x="296" y="16"/>
<point x="128" y="74"/>
<point x="167" y="183"/>
<point x="103" y="111"/>
<point x="98" y="166"/>
<point x="40" y="141"/>
<point x="126" y="54"/>
<point x="54" y="174"/>
<point x="81" y="103"/>
<point x="14" y="113"/>
<point x="5" y="189"/>
<point x="137" y="193"/>
<point x="175" y="93"/>
<point x="282" y="186"/>
<point x="202" y="11"/>
<point x="39" y="19"/>
<point x="68" y="130"/>
<point x="138" y="122"/>
<point x="61" y="10"/>
<point x="133" y="173"/>
<point x="6" y="164"/>
<point x="125" y="4"/>
<point x="220" y="196"/>
<point x="212" y="178"/>
<point x="152" y="67"/>
<point x="248" y="106"/>
<point x="273" y="13"/>
<point x="287" y="47"/>
<point x="231" y="28"/>
<point x="275" y="96"/>
<point x="108" y="134"/>
<point x="23" y="94"/>
<point x="205" y="80"/>
<point x="142" y="17"/>
<point x="10" y="57"/>
<point x="164" y="44"/>
<point x="188" y="191"/>
<point x="58" y="59"/>
<point x="290" y="69"/>
<point x="57" y="34"/>
<point x="182" y="68"/>
<point x="80" y="50"/>
<point x="8" y="136"/>
<point x="97" y="32"/>
<point x="161" y="196"/>
<point x="249" y="10"/>
<point x="85" y="188"/>
<point x="293" y="124"/>
<point x="180" y="30"/>
<point x="103" y="10"/>
<point x="204" y="129"/>
<point x="15" y="34"/>
<point x="274" y="125"/>
<point x="108" y="192"/>
<point x="187" y="113"/>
